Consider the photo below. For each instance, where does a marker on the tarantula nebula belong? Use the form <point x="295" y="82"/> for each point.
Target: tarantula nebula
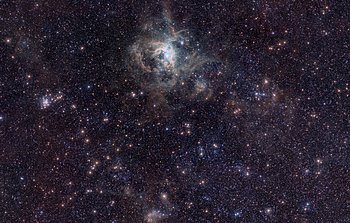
<point x="162" y="58"/>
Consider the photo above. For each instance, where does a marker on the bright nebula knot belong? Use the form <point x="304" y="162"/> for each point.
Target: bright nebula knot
<point x="162" y="58"/>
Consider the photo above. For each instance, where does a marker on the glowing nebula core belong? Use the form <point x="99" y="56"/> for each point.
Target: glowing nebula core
<point x="162" y="58"/>
<point x="166" y="54"/>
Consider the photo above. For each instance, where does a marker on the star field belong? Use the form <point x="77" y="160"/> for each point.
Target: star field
<point x="175" y="111"/>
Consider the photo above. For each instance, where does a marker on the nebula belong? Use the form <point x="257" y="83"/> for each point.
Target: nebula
<point x="162" y="58"/>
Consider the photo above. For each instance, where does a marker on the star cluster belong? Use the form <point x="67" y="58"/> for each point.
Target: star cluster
<point x="175" y="111"/>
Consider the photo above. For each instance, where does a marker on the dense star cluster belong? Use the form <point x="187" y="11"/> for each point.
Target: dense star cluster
<point x="151" y="111"/>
